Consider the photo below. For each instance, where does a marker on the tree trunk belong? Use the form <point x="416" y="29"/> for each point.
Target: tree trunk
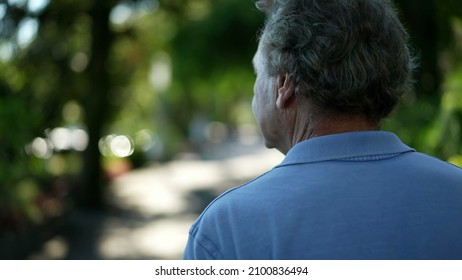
<point x="96" y="105"/>
<point x="422" y="24"/>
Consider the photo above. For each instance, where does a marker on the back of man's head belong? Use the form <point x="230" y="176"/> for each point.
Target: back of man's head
<point x="348" y="57"/>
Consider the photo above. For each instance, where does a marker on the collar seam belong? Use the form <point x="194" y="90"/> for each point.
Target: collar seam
<point x="364" y="158"/>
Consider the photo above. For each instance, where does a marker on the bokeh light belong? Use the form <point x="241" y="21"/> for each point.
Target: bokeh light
<point x="27" y="31"/>
<point x="41" y="148"/>
<point x="120" y="146"/>
<point x="36" y="6"/>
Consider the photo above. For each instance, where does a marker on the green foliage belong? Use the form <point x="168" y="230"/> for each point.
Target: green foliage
<point x="168" y="62"/>
<point x="16" y="129"/>
<point x="444" y="136"/>
<point x="212" y="61"/>
<point x="208" y="47"/>
<point x="434" y="124"/>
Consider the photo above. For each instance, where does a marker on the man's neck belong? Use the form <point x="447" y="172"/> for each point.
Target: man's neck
<point x="344" y="124"/>
<point x="308" y="129"/>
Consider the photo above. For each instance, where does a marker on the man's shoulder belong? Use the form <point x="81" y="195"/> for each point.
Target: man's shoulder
<point x="240" y="200"/>
<point x="431" y="161"/>
<point x="213" y="229"/>
<point x="238" y="195"/>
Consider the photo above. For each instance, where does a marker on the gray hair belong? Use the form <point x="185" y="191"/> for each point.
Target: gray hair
<point x="346" y="56"/>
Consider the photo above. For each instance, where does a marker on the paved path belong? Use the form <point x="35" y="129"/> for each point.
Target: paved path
<point x="151" y="209"/>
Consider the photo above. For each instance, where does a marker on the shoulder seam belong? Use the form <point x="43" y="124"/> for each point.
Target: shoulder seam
<point x="217" y="251"/>
<point x="195" y="227"/>
<point x="231" y="190"/>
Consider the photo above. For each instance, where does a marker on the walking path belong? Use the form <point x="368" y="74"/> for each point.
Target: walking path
<point x="151" y="209"/>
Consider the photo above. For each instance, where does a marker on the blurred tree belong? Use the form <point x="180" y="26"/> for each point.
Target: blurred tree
<point x="431" y="27"/>
<point x="54" y="53"/>
<point x="212" y="55"/>
<point x="429" y="23"/>
<point x="34" y="68"/>
<point x="96" y="102"/>
<point x="124" y="66"/>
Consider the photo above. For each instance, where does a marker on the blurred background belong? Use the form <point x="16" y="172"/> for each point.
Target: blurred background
<point x="120" y="120"/>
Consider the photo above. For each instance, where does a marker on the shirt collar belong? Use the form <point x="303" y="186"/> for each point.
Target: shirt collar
<point x="346" y="146"/>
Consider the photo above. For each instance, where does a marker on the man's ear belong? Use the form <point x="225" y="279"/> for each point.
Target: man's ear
<point x="285" y="92"/>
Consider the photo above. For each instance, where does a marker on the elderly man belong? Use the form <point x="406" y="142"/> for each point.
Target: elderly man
<point x="328" y="71"/>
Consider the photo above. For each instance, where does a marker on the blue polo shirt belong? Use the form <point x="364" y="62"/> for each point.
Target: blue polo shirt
<point x="360" y="195"/>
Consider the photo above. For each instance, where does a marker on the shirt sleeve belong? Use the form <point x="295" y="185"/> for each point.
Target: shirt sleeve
<point x="196" y="251"/>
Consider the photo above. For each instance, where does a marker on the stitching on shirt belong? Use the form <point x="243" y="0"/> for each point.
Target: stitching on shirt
<point x="371" y="157"/>
<point x="216" y="254"/>
<point x="349" y="159"/>
<point x="229" y="191"/>
<point x="195" y="227"/>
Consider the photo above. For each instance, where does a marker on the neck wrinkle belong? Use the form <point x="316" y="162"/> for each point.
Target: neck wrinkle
<point x="306" y="127"/>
